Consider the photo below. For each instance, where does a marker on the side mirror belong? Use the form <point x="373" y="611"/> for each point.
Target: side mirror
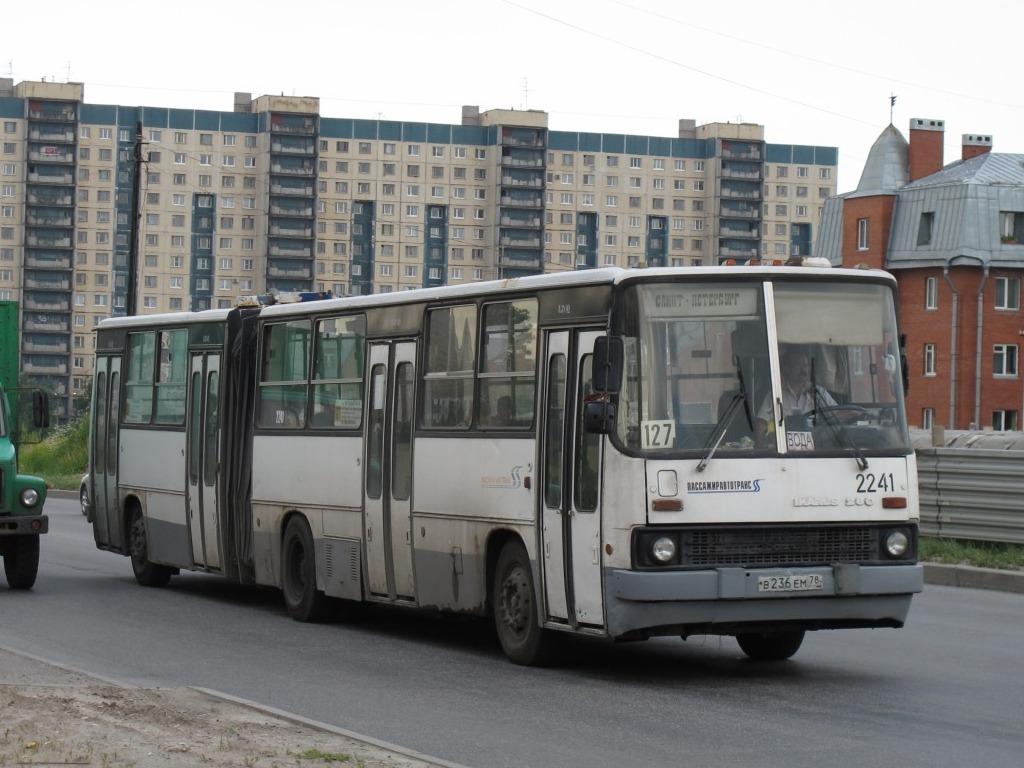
<point x="599" y="417"/>
<point x="608" y="361"/>
<point x="40" y="409"/>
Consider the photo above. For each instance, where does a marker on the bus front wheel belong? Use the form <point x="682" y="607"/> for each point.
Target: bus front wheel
<point x="21" y="560"/>
<point x="147" y="574"/>
<point x="770" y="646"/>
<point x="522" y="637"/>
<point x="298" y="573"/>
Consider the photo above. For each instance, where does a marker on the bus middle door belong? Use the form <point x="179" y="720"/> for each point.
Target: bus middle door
<point x="571" y="516"/>
<point x="203" y="461"/>
<point x="387" y="471"/>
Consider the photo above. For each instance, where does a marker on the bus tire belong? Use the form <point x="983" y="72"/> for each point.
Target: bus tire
<point x="770" y="646"/>
<point x="21" y="561"/>
<point x="147" y="574"/>
<point x="516" y="618"/>
<point x="298" y="573"/>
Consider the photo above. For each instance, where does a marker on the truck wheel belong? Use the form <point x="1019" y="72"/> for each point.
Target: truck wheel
<point x="21" y="561"/>
<point x="146" y="573"/>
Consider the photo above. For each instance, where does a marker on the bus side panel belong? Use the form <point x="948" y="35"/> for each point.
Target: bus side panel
<point x="464" y="489"/>
<point x="152" y="467"/>
<point x="317" y="476"/>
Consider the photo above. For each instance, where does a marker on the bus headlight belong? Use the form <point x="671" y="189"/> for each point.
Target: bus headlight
<point x="897" y="543"/>
<point x="29" y="498"/>
<point x="663" y="550"/>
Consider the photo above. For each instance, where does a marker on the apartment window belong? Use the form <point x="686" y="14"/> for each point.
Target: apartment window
<point x="698" y="165"/>
<point x="1005" y="421"/>
<point x="413" y="150"/>
<point x="698" y="185"/>
<point x="1004" y="360"/>
<point x="781" y="171"/>
<point x="801" y="210"/>
<point x="824" y="173"/>
<point x="782" y="190"/>
<point x="412" y="211"/>
<point x="1007" y="293"/>
<point x="931" y="293"/>
<point x="929" y="360"/>
<point x="801" y="191"/>
<point x="862" y="234"/>
<point x="480" y="153"/>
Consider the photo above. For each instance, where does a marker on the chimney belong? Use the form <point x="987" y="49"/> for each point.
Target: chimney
<point x="974" y="144"/>
<point x="926" y="137"/>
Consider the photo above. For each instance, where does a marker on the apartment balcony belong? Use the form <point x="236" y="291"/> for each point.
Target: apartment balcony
<point x="292" y="250"/>
<point x="286" y="231"/>
<point x="51" y="322"/>
<point x="532" y="183"/>
<point x="290" y="272"/>
<point x="512" y="262"/>
<point x="51" y="154"/>
<point x="57" y="346"/>
<point x="746" y="152"/>
<point x="48" y="259"/>
<point x="43" y="303"/>
<point x="510" y="221"/>
<point x="740" y="212"/>
<point x="48" y="220"/>
<point x="296" y="125"/>
<point x="54" y="113"/>
<point x="49" y="241"/>
<point x="511" y="161"/>
<point x="292" y="169"/>
<point x="302" y="210"/>
<point x="53" y="369"/>
<point x="292" y="147"/>
<point x="531" y="140"/>
<point x="50" y="196"/>
<point x="51" y="133"/>
<point x="735" y="252"/>
<point x="510" y="201"/>
<point x="743" y="233"/>
<point x="752" y="173"/>
<point x="740" y="194"/>
<point x="292" y="190"/>
<point x="520" y="242"/>
<point x="62" y="176"/>
<point x="46" y="284"/>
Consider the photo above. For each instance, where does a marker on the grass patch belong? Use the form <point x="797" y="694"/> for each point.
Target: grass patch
<point x="981" y="554"/>
<point x="62" y="458"/>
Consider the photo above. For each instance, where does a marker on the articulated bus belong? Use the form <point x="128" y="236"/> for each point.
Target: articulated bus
<point x="607" y="452"/>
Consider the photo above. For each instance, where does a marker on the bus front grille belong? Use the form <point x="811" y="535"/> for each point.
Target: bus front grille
<point x="778" y="546"/>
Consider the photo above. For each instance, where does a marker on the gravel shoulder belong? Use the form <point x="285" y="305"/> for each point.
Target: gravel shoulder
<point x="55" y="716"/>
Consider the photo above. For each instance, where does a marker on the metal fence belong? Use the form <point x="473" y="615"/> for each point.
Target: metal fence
<point x="971" y="485"/>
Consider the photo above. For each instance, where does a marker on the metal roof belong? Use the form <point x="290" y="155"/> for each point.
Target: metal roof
<point x="887" y="168"/>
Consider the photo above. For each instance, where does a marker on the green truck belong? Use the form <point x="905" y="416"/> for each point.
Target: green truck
<point x="21" y="496"/>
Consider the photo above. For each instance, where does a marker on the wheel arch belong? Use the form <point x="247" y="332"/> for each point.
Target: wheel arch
<point x="496" y="541"/>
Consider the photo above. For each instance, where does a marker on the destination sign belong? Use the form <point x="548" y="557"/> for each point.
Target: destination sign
<point x="700" y="300"/>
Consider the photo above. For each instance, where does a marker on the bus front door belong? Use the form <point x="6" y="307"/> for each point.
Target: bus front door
<point x="107" y="528"/>
<point x="387" y="522"/>
<point x="203" y="460"/>
<point x="571" y="515"/>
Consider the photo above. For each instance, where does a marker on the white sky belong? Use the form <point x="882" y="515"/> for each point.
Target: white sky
<point x="812" y="72"/>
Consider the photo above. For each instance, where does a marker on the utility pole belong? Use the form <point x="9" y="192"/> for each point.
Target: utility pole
<point x="133" y="238"/>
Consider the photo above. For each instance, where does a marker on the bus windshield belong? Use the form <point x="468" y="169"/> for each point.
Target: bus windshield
<point x="800" y="367"/>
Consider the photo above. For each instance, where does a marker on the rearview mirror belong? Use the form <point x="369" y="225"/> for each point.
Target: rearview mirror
<point x="608" y="359"/>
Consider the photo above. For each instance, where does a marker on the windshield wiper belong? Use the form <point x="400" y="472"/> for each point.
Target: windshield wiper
<point x="718" y="433"/>
<point x="835" y="430"/>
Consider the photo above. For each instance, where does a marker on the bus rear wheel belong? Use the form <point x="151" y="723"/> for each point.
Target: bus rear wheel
<point x="770" y="646"/>
<point x="298" y="573"/>
<point x="522" y="637"/>
<point x="21" y="560"/>
<point x="147" y="574"/>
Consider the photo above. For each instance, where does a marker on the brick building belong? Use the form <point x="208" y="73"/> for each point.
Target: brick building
<point x="954" y="237"/>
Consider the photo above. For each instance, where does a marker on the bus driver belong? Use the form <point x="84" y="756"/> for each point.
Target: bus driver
<point x="798" y="396"/>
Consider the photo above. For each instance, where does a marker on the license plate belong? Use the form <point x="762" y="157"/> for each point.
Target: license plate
<point x="806" y="582"/>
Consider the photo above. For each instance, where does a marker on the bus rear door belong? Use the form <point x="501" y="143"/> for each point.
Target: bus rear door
<point x="571" y="460"/>
<point x="107" y="528"/>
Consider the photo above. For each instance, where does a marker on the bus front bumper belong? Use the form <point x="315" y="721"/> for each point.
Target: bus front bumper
<point x="730" y="600"/>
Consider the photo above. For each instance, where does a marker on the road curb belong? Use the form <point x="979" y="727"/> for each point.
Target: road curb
<point x="974" y="578"/>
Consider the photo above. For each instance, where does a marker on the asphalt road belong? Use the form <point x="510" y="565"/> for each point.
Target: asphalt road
<point x="946" y="690"/>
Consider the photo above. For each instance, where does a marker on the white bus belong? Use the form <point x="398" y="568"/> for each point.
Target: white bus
<point x="572" y="453"/>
